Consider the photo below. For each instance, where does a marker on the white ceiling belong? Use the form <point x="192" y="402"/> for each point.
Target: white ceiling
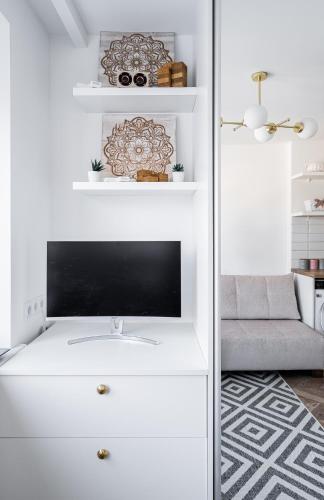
<point x="132" y="15"/>
<point x="284" y="37"/>
<point x="124" y="15"/>
<point x="48" y="16"/>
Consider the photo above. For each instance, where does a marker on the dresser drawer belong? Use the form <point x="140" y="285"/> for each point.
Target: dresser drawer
<point x="137" y="406"/>
<point x="69" y="469"/>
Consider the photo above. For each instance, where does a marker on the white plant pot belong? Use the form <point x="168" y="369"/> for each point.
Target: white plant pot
<point x="177" y="176"/>
<point x="309" y="205"/>
<point x="94" y="176"/>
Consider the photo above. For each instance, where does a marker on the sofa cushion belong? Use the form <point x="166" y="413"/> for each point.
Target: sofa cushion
<point x="270" y="345"/>
<point x="258" y="297"/>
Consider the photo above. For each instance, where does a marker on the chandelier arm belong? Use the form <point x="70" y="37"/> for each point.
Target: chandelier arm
<point x="271" y="127"/>
<point x="241" y="124"/>
<point x="297" y="127"/>
<point x="286" y="126"/>
<point x="283" y="122"/>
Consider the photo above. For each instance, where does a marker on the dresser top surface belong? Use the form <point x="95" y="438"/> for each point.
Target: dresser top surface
<point x="178" y="353"/>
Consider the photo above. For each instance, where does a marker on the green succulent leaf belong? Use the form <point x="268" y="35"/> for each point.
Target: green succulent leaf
<point x="97" y="165"/>
<point x="178" y="167"/>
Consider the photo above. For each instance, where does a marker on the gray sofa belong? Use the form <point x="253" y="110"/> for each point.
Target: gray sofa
<point x="261" y="327"/>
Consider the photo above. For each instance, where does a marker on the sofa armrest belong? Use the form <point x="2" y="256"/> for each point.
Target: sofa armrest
<point x="305" y="293"/>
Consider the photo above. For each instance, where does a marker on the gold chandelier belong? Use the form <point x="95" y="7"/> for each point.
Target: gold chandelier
<point x="256" y="119"/>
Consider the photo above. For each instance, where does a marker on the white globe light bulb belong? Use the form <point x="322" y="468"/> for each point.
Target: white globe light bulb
<point x="255" y="116"/>
<point x="310" y="128"/>
<point x="262" y="134"/>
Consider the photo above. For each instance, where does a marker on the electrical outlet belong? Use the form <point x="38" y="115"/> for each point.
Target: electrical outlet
<point x="28" y="310"/>
<point x="40" y="304"/>
<point x="35" y="307"/>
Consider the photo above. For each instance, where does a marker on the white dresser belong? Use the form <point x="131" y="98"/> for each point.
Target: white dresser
<point x="105" y="419"/>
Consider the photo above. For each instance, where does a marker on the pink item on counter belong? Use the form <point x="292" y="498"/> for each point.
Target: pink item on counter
<point x="313" y="264"/>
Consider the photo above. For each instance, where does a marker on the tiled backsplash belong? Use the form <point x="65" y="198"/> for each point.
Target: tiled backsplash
<point x="307" y="240"/>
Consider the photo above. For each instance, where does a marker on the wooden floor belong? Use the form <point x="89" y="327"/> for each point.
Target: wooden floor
<point x="310" y="390"/>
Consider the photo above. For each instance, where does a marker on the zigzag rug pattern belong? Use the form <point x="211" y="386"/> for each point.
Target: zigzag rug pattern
<point x="272" y="447"/>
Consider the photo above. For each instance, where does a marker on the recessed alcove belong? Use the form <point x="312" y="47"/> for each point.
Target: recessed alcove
<point x="76" y="138"/>
<point x="147" y="212"/>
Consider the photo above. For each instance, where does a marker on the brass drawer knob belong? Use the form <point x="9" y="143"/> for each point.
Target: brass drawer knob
<point x="102" y="389"/>
<point x="102" y="454"/>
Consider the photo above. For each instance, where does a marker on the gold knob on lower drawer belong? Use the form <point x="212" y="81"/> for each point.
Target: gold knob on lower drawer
<point x="102" y="389"/>
<point x="102" y="453"/>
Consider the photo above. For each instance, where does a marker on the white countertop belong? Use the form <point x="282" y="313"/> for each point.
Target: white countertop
<point x="178" y="354"/>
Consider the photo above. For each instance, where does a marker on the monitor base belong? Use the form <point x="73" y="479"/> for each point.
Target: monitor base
<point x="114" y="336"/>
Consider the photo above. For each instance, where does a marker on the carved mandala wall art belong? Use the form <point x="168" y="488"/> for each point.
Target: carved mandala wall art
<point x="131" y="143"/>
<point x="133" y="52"/>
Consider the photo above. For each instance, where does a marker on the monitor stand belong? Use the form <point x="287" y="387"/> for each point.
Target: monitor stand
<point x="116" y="333"/>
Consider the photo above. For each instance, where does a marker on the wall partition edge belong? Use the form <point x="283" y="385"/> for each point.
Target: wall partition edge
<point x="5" y="186"/>
<point x="217" y="247"/>
<point x="203" y="154"/>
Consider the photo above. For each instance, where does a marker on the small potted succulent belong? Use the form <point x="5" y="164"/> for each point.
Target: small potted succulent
<point x="94" y="175"/>
<point x="178" y="172"/>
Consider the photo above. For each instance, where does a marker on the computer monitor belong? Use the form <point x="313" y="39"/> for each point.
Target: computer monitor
<point x="113" y="278"/>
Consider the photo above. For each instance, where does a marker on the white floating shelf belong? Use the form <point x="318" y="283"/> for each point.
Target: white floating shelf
<point x="319" y="213"/>
<point x="312" y="176"/>
<point x="137" y="100"/>
<point x="135" y="188"/>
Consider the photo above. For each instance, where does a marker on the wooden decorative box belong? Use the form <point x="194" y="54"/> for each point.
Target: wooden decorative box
<point x="164" y="75"/>
<point x="172" y="75"/>
<point x="178" y="74"/>
<point x="163" y="177"/>
<point x="149" y="176"/>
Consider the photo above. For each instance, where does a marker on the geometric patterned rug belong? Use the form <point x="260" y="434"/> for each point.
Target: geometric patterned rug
<point x="272" y="447"/>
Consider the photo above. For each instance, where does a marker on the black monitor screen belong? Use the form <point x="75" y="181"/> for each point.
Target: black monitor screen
<point x="113" y="278"/>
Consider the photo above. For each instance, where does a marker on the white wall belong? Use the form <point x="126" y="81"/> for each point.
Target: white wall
<point x="30" y="159"/>
<point x="76" y="138"/>
<point x="203" y="229"/>
<point x="255" y="209"/>
<point x="5" y="198"/>
<point x="203" y="174"/>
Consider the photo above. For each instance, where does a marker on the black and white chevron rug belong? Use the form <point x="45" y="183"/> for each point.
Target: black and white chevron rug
<point x="272" y="447"/>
